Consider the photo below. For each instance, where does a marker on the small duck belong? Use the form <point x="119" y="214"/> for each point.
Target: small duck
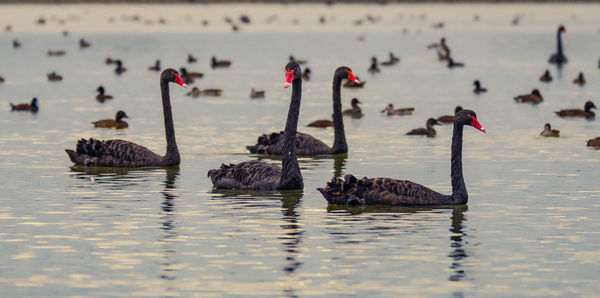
<point x="109" y="61"/>
<point x="321" y="123"/>
<point x="120" y="69"/>
<point x="219" y="63"/>
<point x="257" y="93"/>
<point x="446" y="119"/>
<point x="393" y="60"/>
<point x="191" y="59"/>
<point x="586" y="112"/>
<point x="83" y="44"/>
<point x="29" y="107"/>
<point x="196" y="92"/>
<point x="188" y="77"/>
<point x="355" y="110"/>
<point x="53" y="76"/>
<point x="546" y="77"/>
<point x="579" y="80"/>
<point x="428" y="131"/>
<point x="593" y="142"/>
<point x="16" y="44"/>
<point x="101" y="97"/>
<point x="535" y="97"/>
<point x="306" y="73"/>
<point x="1" y="79"/>
<point x="352" y="84"/>
<point x="301" y="62"/>
<point x="117" y="123"/>
<point x="549" y="132"/>
<point x="156" y="66"/>
<point x="478" y="89"/>
<point x="452" y="64"/>
<point x="374" y="68"/>
<point x="400" y="112"/>
<point x="57" y="53"/>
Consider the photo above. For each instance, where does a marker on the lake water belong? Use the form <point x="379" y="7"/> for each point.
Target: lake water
<point x="531" y="227"/>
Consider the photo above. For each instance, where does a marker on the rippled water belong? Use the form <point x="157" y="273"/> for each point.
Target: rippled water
<point x="531" y="226"/>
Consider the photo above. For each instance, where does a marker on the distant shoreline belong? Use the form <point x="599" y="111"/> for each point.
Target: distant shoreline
<point x="329" y="2"/>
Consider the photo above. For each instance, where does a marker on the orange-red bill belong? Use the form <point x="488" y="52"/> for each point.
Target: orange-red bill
<point x="179" y="81"/>
<point x="289" y="77"/>
<point x="476" y="123"/>
<point x="352" y="78"/>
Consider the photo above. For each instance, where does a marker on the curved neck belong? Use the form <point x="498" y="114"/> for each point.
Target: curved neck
<point x="459" y="189"/>
<point x="172" y="155"/>
<point x="559" y="48"/>
<point x="291" y="178"/>
<point x="339" y="140"/>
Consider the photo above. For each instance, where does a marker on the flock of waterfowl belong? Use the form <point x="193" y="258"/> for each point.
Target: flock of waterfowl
<point x="289" y="143"/>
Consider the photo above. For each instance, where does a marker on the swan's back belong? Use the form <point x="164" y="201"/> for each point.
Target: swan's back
<point x="254" y="174"/>
<point x="272" y="144"/>
<point x="379" y="191"/>
<point x="112" y="153"/>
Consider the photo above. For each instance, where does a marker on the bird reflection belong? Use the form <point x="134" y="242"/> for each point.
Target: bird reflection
<point x="458" y="253"/>
<point x="168" y="226"/>
<point x="293" y="236"/>
<point x="339" y="162"/>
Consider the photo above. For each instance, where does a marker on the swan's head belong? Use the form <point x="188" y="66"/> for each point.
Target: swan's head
<point x="292" y="72"/>
<point x="120" y="115"/>
<point x="457" y="109"/>
<point x="34" y="102"/>
<point x="171" y="75"/>
<point x="536" y="93"/>
<point x="589" y="105"/>
<point x="346" y="73"/>
<point x="468" y="117"/>
<point x="562" y="29"/>
<point x="355" y="102"/>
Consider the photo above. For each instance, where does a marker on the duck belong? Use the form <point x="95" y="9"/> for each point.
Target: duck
<point x="16" y="44"/>
<point x="442" y="49"/>
<point x="156" y="66"/>
<point x="373" y="68"/>
<point x="535" y="97"/>
<point x="321" y="123"/>
<point x="579" y="80"/>
<point x="53" y="76"/>
<point x="393" y="60"/>
<point x="188" y="77"/>
<point x="446" y="119"/>
<point x="429" y="131"/>
<point x="355" y="110"/>
<point x="353" y="84"/>
<point x="257" y="93"/>
<point x="593" y="142"/>
<point x="191" y="59"/>
<point x="400" y="112"/>
<point x="109" y="61"/>
<point x="301" y="62"/>
<point x="478" y="89"/>
<point x="119" y="69"/>
<point x="549" y="132"/>
<point x="219" y="63"/>
<point x="1" y="79"/>
<point x="586" y="112"/>
<point x="29" y="107"/>
<point x="101" y="97"/>
<point x="57" y="53"/>
<point x="306" y="73"/>
<point x="84" y="44"/>
<point x="196" y="92"/>
<point x="546" y="77"/>
<point x="117" y="123"/>
<point x="452" y="64"/>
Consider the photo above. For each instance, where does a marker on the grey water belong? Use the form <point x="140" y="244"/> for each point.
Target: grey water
<point x="530" y="228"/>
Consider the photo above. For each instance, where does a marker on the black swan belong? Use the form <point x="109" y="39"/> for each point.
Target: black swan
<point x="579" y="80"/>
<point x="387" y="191"/>
<point x="120" y="153"/>
<point x="257" y="93"/>
<point x="101" y="97"/>
<point x="478" y="89"/>
<point x="156" y="66"/>
<point x="586" y="112"/>
<point x="219" y="63"/>
<point x="113" y="123"/>
<point x="593" y="142"/>
<point x="373" y="68"/>
<point x="30" y="107"/>
<point x="355" y="110"/>
<point x="535" y="97"/>
<point x="446" y="119"/>
<point x="549" y="132"/>
<point x="400" y="112"/>
<point x="559" y="57"/>
<point x="272" y="144"/>
<point x="428" y="131"/>
<point x="546" y="77"/>
<point x="259" y="175"/>
<point x="120" y="69"/>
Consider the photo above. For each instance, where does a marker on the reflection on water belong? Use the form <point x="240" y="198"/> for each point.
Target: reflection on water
<point x="292" y="238"/>
<point x="168" y="225"/>
<point x="458" y="253"/>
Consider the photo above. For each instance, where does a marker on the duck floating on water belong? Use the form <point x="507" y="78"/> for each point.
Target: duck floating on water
<point x="586" y="112"/>
<point x="28" y="107"/>
<point x="549" y="132"/>
<point x="389" y="110"/>
<point x="427" y="131"/>
<point x="117" y="123"/>
<point x="534" y="97"/>
<point x="546" y="77"/>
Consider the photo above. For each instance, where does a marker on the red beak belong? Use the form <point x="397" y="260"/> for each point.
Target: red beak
<point x="289" y="77"/>
<point x="476" y="124"/>
<point x="352" y="78"/>
<point x="179" y="81"/>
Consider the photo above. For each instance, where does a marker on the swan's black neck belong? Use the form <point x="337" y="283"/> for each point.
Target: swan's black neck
<point x="291" y="178"/>
<point x="459" y="189"/>
<point x="339" y="140"/>
<point x="559" y="48"/>
<point x="172" y="155"/>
